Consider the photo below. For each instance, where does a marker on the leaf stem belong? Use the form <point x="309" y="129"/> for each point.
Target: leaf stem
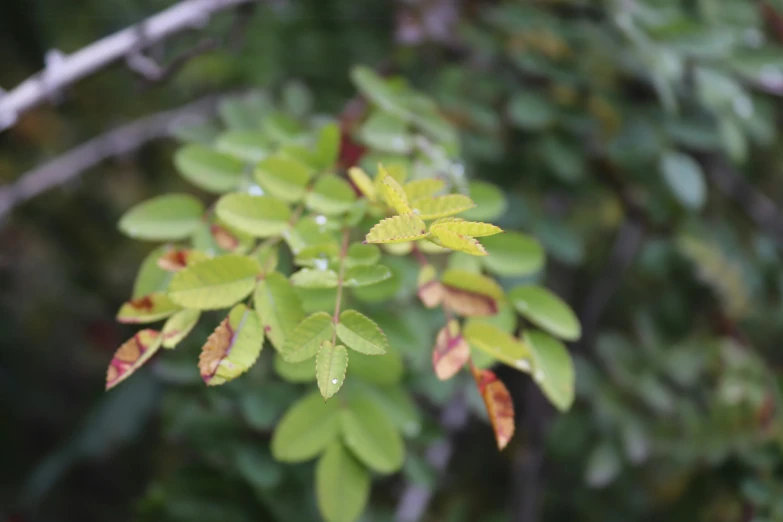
<point x="340" y="278"/>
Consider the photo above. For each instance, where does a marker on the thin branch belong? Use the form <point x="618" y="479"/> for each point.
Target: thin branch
<point x="66" y="70"/>
<point x="117" y="142"/>
<point x="151" y="71"/>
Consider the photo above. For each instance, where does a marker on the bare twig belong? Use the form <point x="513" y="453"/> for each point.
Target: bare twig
<point x="66" y="70"/>
<point x="151" y="71"/>
<point x="416" y="498"/>
<point x="117" y="142"/>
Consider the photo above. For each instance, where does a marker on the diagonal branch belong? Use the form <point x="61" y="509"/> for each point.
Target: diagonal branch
<point x="117" y="142"/>
<point x="68" y="69"/>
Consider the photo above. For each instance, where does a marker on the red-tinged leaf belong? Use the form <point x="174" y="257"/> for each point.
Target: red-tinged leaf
<point x="147" y="309"/>
<point x="131" y="356"/>
<point x="499" y="405"/>
<point x="451" y="351"/>
<point x="233" y="347"/>
<point x="178" y="258"/>
<point x="350" y="151"/>
<point x="467" y="303"/>
<point x="224" y="238"/>
<point x="430" y="290"/>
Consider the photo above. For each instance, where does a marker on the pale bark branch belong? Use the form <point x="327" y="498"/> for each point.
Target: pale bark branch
<point x="68" y="69"/>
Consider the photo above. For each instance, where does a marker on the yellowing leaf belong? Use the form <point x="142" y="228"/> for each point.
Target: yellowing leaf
<point x="278" y="306"/>
<point x="466" y="228"/>
<point x="423" y="188"/>
<point x="233" y="347"/>
<point x="451" y="352"/>
<point x="500" y="407"/>
<point x="131" y="356"/>
<point x="498" y="344"/>
<point x="392" y="192"/>
<point x="306" y="338"/>
<point x="306" y="429"/>
<point x="441" y="206"/>
<point x="470" y="294"/>
<point x="169" y="217"/>
<point x="178" y="326"/>
<point x="175" y="260"/>
<point x="259" y="216"/>
<point x="398" y="229"/>
<point x="331" y="363"/>
<point x="461" y="243"/>
<point x="147" y="309"/>
<point x="215" y="283"/>
<point x="360" y="333"/>
<point x="429" y="289"/>
<point x="362" y="182"/>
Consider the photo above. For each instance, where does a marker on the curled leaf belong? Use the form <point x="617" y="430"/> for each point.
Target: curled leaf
<point x="179" y="326"/>
<point x="233" y="347"/>
<point x="392" y="192"/>
<point x="466" y="228"/>
<point x="500" y="407"/>
<point x="461" y="243"/>
<point x="363" y="182"/>
<point x="131" y="356"/>
<point x="470" y="294"/>
<point x="398" y="229"/>
<point x="147" y="309"/>
<point x="451" y="351"/>
<point x="430" y="291"/>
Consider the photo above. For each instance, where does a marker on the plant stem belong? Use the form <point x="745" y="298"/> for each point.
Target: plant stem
<point x="340" y="277"/>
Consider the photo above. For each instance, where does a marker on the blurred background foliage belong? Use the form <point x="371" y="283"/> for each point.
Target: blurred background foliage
<point x="637" y="139"/>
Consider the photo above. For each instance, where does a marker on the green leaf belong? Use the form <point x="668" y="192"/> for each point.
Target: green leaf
<point x="366" y="275"/>
<point x="383" y="369"/>
<point x="362" y="255"/>
<point x="423" y="188"/>
<point x="317" y="256"/>
<point x="278" y="306"/>
<point x="441" y="206"/>
<point x="547" y="311"/>
<point x="378" y="91"/>
<point x="327" y="147"/>
<point x="282" y="128"/>
<point x="513" y="254"/>
<point x="209" y="169"/>
<point x="370" y="435"/>
<point x="146" y="309"/>
<point x="331" y="195"/>
<point x="530" y="111"/>
<point x="398" y="229"/>
<point x="294" y="372"/>
<point x="342" y="485"/>
<point x="685" y="178"/>
<point x="259" y="216"/>
<point x="214" y="283"/>
<point x="493" y="341"/>
<point x="170" y="217"/>
<point x="306" y="338"/>
<point x="283" y="177"/>
<point x="233" y="347"/>
<point x="257" y="467"/>
<point x="398" y="405"/>
<point x="489" y="199"/>
<point x="314" y="278"/>
<point x="387" y="133"/>
<point x="249" y="146"/>
<point x="306" y="429"/>
<point x="360" y="333"/>
<point x="179" y="326"/>
<point x="297" y="99"/>
<point x="331" y="363"/>
<point x="151" y="278"/>
<point x="553" y="368"/>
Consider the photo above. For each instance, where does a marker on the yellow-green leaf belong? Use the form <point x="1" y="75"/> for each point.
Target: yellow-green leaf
<point x="259" y="216"/>
<point x="151" y="278"/>
<point x="306" y="338"/>
<point x="513" y="254"/>
<point x="247" y="145"/>
<point x="331" y="363"/>
<point x="371" y="436"/>
<point x="366" y="275"/>
<point x="392" y="192"/>
<point x="423" y="188"/>
<point x="283" y="177"/>
<point x="378" y="369"/>
<point x="447" y="239"/>
<point x="398" y="229"/>
<point x="466" y="228"/>
<point x="327" y="147"/>
<point x="170" y="217"/>
<point x="553" y="368"/>
<point x="209" y="169"/>
<point x="178" y="326"/>
<point x="362" y="182"/>
<point x="342" y="485"/>
<point x="278" y="306"/>
<point x="233" y="347"/>
<point x="362" y="255"/>
<point x="331" y="195"/>
<point x="385" y="132"/>
<point x="214" y="283"/>
<point x="441" y="206"/>
<point x="314" y="278"/>
<point x="360" y="333"/>
<point x="493" y="341"/>
<point x="147" y="309"/>
<point x="547" y="311"/>
<point x="294" y="372"/>
<point x="490" y="201"/>
<point x="131" y="356"/>
<point x="306" y="429"/>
